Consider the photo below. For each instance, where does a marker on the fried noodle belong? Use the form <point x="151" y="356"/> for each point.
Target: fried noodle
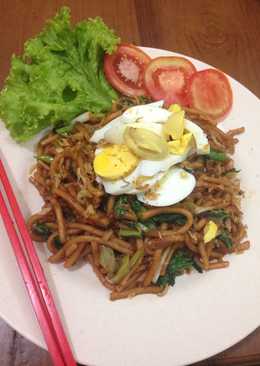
<point x="79" y="223"/>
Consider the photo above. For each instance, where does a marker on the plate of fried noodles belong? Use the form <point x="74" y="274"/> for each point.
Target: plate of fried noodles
<point x="100" y="251"/>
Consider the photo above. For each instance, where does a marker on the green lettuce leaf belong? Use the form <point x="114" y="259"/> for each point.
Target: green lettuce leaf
<point x="59" y="76"/>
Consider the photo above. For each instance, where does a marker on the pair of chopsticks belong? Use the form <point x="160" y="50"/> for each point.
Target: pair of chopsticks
<point x="33" y="275"/>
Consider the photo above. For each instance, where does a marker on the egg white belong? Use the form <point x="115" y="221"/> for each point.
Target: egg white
<point x="202" y="142"/>
<point x="127" y="185"/>
<point x="147" y="113"/>
<point x="174" y="186"/>
<point x="115" y="135"/>
<point x="151" y="113"/>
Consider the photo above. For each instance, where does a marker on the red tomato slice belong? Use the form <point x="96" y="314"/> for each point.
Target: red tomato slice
<point x="124" y="69"/>
<point x="166" y="78"/>
<point x="209" y="91"/>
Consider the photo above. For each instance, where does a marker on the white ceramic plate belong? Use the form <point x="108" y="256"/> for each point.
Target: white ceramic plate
<point x="201" y="316"/>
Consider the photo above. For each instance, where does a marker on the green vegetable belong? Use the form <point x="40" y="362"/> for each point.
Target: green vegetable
<point x="218" y="214"/>
<point x="45" y="158"/>
<point x="159" y="219"/>
<point x="138" y="256"/>
<point x="42" y="230"/>
<point x="123" y="270"/>
<point x="145" y="226"/>
<point x="180" y="261"/>
<point x="127" y="264"/>
<point x="225" y="238"/>
<point x="107" y="259"/>
<point x="59" y="76"/>
<point x="137" y="206"/>
<point x="121" y="206"/>
<point x="197" y="266"/>
<point x="64" y="130"/>
<point x="141" y="226"/>
<point x="57" y="243"/>
<point x="130" y="233"/>
<point x="216" y="155"/>
<point x="170" y="218"/>
<point x="149" y="224"/>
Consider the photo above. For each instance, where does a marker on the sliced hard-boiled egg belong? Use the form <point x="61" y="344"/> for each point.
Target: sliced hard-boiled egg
<point x="210" y="231"/>
<point x="115" y="135"/>
<point x="174" y="126"/>
<point x="100" y="133"/>
<point x="147" y="113"/>
<point x="151" y="126"/>
<point x="174" y="108"/>
<point x="120" y="186"/>
<point x="174" y="186"/>
<point x="181" y="146"/>
<point x="114" y="162"/>
<point x="152" y="167"/>
<point x="152" y="112"/>
<point x="139" y="160"/>
<point x="201" y="140"/>
<point x="145" y="143"/>
<point x="132" y="184"/>
<point x="150" y="116"/>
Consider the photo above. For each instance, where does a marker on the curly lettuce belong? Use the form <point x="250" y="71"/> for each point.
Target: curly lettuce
<point x="59" y="76"/>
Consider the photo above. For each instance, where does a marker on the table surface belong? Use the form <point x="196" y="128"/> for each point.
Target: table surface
<point x="223" y="33"/>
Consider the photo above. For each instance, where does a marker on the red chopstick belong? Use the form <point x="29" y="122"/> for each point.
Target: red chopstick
<point x="34" y="278"/>
<point x="31" y="287"/>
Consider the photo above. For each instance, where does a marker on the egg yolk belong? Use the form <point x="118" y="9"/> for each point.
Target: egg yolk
<point x="180" y="146"/>
<point x="210" y="231"/>
<point x="174" y="108"/>
<point x="115" y="162"/>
